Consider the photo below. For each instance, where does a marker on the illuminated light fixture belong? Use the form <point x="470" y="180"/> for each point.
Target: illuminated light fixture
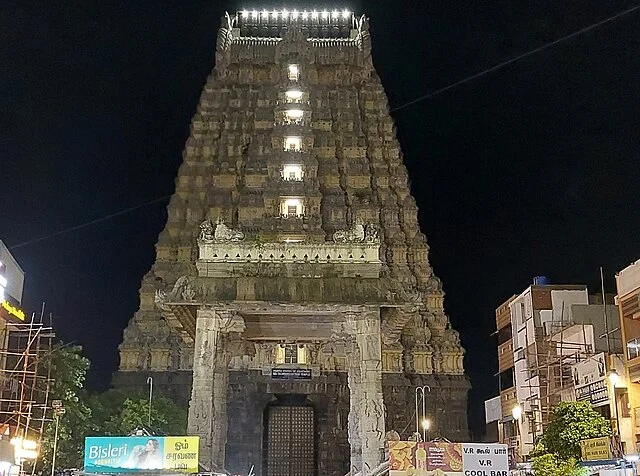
<point x="346" y="13"/>
<point x="325" y="14"/>
<point x="314" y="15"/>
<point x="614" y="377"/>
<point x="293" y="95"/>
<point x="516" y="412"/>
<point x="244" y="13"/>
<point x="305" y="15"/>
<point x="426" y="424"/>
<point x="291" y="206"/>
<point x="274" y="13"/>
<point x="265" y="13"/>
<point x="29" y="444"/>
<point x="254" y="13"/>
<point x="292" y="172"/>
<point x="293" y="72"/>
<point x="294" y="14"/>
<point x="335" y="13"/>
<point x="285" y="13"/>
<point x="294" y="113"/>
<point x="292" y="143"/>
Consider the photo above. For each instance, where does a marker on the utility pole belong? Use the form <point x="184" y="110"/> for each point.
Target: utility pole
<point x="58" y="411"/>
<point x="150" y="383"/>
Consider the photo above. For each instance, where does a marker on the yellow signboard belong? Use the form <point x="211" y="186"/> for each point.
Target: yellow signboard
<point x="13" y="310"/>
<point x="595" y="449"/>
<point x="181" y="453"/>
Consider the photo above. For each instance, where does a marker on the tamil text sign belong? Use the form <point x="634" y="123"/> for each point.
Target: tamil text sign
<point x="595" y="449"/>
<point x="408" y="458"/>
<point x="135" y="454"/>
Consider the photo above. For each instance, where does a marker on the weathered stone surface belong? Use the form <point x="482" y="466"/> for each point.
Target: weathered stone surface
<point x="292" y="227"/>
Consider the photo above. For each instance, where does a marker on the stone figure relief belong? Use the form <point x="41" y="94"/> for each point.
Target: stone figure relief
<point x="355" y="234"/>
<point x="222" y="233"/>
<point x="206" y="232"/>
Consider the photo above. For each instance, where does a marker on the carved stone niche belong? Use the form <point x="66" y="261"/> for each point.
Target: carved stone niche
<point x="392" y="357"/>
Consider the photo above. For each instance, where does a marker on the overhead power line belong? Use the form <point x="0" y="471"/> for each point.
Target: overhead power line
<point x="89" y="223"/>
<point x="518" y="58"/>
<point x="402" y="106"/>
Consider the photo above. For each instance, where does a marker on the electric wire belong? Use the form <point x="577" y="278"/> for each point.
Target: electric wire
<point x="397" y="108"/>
<point x="89" y="223"/>
<point x="518" y="58"/>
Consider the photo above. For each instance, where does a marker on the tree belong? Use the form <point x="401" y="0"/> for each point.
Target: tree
<point x="550" y="465"/>
<point x="119" y="413"/>
<point x="111" y="413"/>
<point x="68" y="370"/>
<point x="571" y="422"/>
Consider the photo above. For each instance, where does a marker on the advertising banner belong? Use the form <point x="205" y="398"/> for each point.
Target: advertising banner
<point x="408" y="458"/>
<point x="139" y="454"/>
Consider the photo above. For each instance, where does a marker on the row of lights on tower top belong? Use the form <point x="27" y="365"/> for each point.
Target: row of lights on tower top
<point x="296" y="14"/>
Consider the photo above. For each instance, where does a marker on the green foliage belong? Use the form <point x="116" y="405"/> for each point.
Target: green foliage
<point x="112" y="413"/>
<point x="68" y="369"/>
<point x="118" y="413"/>
<point x="571" y="422"/>
<point x="551" y="465"/>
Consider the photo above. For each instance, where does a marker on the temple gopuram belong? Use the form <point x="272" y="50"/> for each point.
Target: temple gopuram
<point x="292" y="305"/>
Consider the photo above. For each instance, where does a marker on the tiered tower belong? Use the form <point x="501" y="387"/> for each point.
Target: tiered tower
<point x="292" y="294"/>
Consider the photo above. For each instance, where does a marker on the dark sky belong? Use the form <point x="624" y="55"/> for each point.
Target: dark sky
<point x="533" y="169"/>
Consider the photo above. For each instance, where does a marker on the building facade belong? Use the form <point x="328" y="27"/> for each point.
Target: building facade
<point x="292" y="302"/>
<point x="628" y="300"/>
<point x="550" y="340"/>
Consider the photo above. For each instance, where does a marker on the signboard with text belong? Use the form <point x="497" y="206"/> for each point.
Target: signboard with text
<point x="595" y="449"/>
<point x="136" y="454"/>
<point x="291" y="374"/>
<point x="589" y="380"/>
<point x="408" y="458"/>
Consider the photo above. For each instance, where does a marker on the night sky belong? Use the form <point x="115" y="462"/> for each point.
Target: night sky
<point x="530" y="170"/>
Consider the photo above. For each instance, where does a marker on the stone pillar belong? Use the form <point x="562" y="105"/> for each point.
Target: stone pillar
<point x="208" y="405"/>
<point x="366" y="413"/>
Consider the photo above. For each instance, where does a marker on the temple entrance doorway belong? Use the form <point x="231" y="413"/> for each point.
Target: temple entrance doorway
<point x="289" y="446"/>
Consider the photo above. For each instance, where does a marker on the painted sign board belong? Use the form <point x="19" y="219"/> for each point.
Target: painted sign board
<point x="408" y="458"/>
<point x="140" y="454"/>
<point x="290" y="374"/>
<point x="595" y="449"/>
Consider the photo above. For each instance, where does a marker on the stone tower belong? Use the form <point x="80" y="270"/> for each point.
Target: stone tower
<point x="292" y="302"/>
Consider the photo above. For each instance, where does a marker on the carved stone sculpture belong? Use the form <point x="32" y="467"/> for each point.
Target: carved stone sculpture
<point x="206" y="232"/>
<point x="225" y="234"/>
<point x="355" y="234"/>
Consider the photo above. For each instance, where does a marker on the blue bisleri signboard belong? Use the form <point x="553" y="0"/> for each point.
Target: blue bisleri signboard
<point x="140" y="454"/>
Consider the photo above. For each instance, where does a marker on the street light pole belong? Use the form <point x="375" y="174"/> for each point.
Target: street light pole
<point x="150" y="382"/>
<point x="517" y="415"/>
<point x="421" y="393"/>
<point x="58" y="410"/>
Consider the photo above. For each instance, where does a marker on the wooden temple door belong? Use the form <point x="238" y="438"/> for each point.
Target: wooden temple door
<point x="290" y="449"/>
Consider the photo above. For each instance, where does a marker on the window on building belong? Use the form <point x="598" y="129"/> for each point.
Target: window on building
<point x="293" y="96"/>
<point x="504" y="334"/>
<point x="294" y="72"/>
<point x="292" y="172"/>
<point x="506" y="379"/>
<point x="633" y="349"/>
<point x="291" y="354"/>
<point x="293" y="116"/>
<point x="291" y="207"/>
<point x="292" y="144"/>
